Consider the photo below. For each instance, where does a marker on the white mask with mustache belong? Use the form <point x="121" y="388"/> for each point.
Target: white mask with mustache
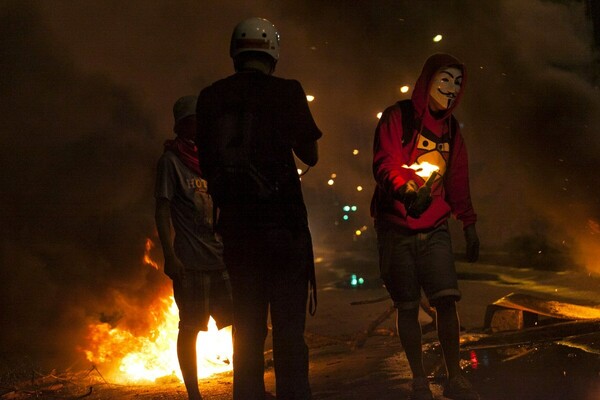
<point x="445" y="88"/>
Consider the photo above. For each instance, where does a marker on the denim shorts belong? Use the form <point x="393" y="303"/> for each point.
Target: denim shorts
<point x="409" y="261"/>
<point x="200" y="295"/>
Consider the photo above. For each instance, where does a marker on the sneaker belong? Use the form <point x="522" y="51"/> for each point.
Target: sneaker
<point x="420" y="389"/>
<point x="459" y="388"/>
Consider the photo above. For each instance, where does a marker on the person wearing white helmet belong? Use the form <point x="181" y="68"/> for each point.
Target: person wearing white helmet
<point x="254" y="35"/>
<point x="250" y="125"/>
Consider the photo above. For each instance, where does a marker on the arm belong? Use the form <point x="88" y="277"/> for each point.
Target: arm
<point x="173" y="267"/>
<point x="458" y="195"/>
<point x="458" y="192"/>
<point x="306" y="132"/>
<point x="389" y="155"/>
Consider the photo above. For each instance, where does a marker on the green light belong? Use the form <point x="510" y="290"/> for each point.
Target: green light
<point x="361" y="281"/>
<point x="346" y="208"/>
<point x="353" y="208"/>
<point x="345" y="217"/>
<point x="353" y="280"/>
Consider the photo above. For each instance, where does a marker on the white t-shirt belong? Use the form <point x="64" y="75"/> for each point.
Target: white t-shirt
<point x="195" y="243"/>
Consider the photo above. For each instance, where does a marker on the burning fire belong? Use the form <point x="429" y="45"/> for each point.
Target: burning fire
<point x="138" y="358"/>
<point x="147" y="259"/>
<point x="424" y="169"/>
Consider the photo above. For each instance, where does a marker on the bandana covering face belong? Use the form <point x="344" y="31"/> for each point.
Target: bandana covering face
<point x="446" y="86"/>
<point x="187" y="152"/>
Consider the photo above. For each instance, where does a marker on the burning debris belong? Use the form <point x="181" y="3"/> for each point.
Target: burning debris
<point x="131" y="357"/>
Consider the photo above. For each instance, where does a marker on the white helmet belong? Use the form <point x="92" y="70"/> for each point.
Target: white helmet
<point x="255" y="34"/>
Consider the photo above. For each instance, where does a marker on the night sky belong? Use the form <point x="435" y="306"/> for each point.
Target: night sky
<point x="87" y="88"/>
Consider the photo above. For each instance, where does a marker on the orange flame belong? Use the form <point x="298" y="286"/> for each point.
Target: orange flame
<point x="147" y="358"/>
<point x="130" y="357"/>
<point x="424" y="169"/>
<point x="147" y="259"/>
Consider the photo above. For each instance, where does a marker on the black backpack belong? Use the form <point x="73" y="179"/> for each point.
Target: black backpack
<point x="235" y="176"/>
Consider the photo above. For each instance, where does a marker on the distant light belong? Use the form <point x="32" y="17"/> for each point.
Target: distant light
<point x="355" y="280"/>
<point x="359" y="188"/>
<point x="299" y="171"/>
<point x="345" y="217"/>
<point x="309" y="98"/>
<point x="474" y="361"/>
<point x="437" y="38"/>
<point x="379" y="114"/>
<point x="355" y="151"/>
<point x="364" y="228"/>
<point x="333" y="176"/>
<point x="404" y="89"/>
<point x="358" y="232"/>
<point x="330" y="182"/>
<point x="346" y="208"/>
<point x="353" y="208"/>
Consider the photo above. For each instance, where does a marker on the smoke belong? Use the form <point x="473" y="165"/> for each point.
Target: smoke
<point x="78" y="155"/>
<point x="87" y="89"/>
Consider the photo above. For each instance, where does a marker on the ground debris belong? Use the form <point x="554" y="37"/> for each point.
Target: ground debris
<point x="361" y="337"/>
<point x="53" y="385"/>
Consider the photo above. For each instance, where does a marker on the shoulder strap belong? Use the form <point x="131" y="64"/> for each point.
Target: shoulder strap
<point x="453" y="129"/>
<point x="409" y="122"/>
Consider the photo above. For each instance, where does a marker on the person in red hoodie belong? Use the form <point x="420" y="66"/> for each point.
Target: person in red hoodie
<point x="411" y="206"/>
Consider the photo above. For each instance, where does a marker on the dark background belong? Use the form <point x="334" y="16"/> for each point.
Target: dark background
<point x="86" y="90"/>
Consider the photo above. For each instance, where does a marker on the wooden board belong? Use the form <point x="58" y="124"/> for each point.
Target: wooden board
<point x="549" y="308"/>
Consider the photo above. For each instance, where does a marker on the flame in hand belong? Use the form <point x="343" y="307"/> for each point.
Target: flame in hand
<point x="424" y="169"/>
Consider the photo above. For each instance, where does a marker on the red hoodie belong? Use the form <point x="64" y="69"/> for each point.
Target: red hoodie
<point x="430" y="142"/>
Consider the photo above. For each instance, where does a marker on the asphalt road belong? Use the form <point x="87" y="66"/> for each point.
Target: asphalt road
<point x="346" y="364"/>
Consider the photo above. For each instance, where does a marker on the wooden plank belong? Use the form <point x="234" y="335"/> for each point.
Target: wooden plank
<point x="549" y="308"/>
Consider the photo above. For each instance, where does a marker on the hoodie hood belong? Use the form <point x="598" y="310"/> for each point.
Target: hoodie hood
<point x="420" y="95"/>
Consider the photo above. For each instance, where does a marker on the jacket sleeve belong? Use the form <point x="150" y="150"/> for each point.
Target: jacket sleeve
<point x="300" y="118"/>
<point x="388" y="153"/>
<point x="458" y="193"/>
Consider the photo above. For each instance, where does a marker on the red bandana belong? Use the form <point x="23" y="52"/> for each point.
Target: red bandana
<point x="187" y="152"/>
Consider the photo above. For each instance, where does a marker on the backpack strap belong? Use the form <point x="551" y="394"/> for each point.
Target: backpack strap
<point x="410" y="122"/>
<point x="452" y="129"/>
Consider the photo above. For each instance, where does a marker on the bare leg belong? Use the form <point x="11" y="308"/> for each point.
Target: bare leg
<point x="186" y="353"/>
<point x="409" y="330"/>
<point x="427" y="308"/>
<point x="449" y="335"/>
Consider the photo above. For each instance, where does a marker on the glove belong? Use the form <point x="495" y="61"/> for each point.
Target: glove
<point x="472" y="243"/>
<point x="421" y="202"/>
<point x="407" y="193"/>
<point x="416" y="200"/>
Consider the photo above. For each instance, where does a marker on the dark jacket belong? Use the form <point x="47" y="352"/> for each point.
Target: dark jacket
<point x="276" y="112"/>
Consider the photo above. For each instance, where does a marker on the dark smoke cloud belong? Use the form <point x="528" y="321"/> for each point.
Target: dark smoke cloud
<point x="87" y="89"/>
<point x="76" y="184"/>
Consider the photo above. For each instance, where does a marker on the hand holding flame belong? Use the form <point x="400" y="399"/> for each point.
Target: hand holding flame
<point x="417" y="200"/>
